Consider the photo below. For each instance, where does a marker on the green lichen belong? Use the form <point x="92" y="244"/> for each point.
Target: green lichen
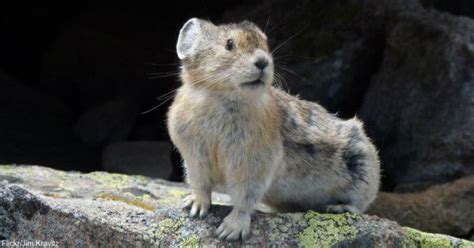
<point x="171" y="228"/>
<point x="420" y="239"/>
<point x="115" y="181"/>
<point x="327" y="230"/>
<point x="174" y="198"/>
<point x="466" y="244"/>
<point x="7" y="169"/>
<point x="146" y="197"/>
<point x="177" y="193"/>
<point x="192" y="241"/>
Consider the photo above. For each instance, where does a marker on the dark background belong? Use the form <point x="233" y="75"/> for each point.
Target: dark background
<point x="76" y="77"/>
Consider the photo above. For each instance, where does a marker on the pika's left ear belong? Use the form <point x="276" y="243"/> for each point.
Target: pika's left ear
<point x="189" y="37"/>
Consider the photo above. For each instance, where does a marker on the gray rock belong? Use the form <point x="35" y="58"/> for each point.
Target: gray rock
<point x="419" y="107"/>
<point x="113" y="210"/>
<point x="446" y="208"/>
<point x="148" y="158"/>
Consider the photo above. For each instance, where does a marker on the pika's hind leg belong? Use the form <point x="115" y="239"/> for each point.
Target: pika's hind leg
<point x="197" y="175"/>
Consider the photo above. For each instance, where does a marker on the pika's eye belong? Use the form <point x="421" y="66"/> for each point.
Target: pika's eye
<point x="229" y="45"/>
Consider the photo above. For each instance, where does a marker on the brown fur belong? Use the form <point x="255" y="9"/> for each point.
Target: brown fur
<point x="256" y="142"/>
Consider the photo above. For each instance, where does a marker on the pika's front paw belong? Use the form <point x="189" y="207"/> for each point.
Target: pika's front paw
<point x="198" y="204"/>
<point x="233" y="227"/>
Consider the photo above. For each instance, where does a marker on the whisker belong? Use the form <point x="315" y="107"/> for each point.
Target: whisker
<point x="163" y="76"/>
<point x="296" y="56"/>
<point x="290" y="71"/>
<point x="285" y="41"/>
<point x="156" y="64"/>
<point x="157" y="106"/>
<point x="266" y="25"/>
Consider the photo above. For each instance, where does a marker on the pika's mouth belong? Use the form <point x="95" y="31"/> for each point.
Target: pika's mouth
<point x="254" y="83"/>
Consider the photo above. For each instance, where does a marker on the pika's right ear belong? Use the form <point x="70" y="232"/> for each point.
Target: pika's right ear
<point x="189" y="37"/>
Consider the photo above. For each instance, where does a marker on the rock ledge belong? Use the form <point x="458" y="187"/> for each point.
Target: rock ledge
<point x="114" y="210"/>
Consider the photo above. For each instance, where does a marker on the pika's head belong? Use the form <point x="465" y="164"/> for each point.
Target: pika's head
<point x="232" y="57"/>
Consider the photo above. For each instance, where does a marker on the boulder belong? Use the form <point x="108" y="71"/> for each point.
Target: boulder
<point x="113" y="210"/>
<point x="148" y="158"/>
<point x="446" y="208"/>
<point x="419" y="107"/>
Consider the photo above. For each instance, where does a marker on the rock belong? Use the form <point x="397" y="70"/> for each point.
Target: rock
<point x="108" y="123"/>
<point x="148" y="158"/>
<point x="113" y="210"/>
<point x="446" y="208"/>
<point x="419" y="107"/>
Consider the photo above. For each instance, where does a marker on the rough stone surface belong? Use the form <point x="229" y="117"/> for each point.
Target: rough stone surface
<point x="446" y="208"/>
<point x="113" y="210"/>
<point x="419" y="107"/>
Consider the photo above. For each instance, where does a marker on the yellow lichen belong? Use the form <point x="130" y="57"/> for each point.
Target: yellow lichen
<point x="420" y="239"/>
<point x="177" y="193"/>
<point x="327" y="230"/>
<point x="171" y="228"/>
<point x="7" y="169"/>
<point x="131" y="201"/>
<point x="191" y="241"/>
<point x="168" y="227"/>
<point x="116" y="181"/>
<point x="174" y="197"/>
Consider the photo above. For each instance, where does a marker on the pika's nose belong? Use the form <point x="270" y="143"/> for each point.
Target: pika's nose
<point x="261" y="63"/>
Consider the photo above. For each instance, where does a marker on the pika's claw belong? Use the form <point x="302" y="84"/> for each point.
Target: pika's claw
<point x="188" y="201"/>
<point x="198" y="205"/>
<point x="233" y="228"/>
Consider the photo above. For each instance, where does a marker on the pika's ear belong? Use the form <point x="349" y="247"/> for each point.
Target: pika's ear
<point x="189" y="37"/>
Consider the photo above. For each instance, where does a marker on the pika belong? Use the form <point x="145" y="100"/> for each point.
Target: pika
<point x="239" y="134"/>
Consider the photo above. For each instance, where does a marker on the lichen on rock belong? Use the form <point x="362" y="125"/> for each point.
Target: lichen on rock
<point x="98" y="209"/>
<point x="327" y="230"/>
